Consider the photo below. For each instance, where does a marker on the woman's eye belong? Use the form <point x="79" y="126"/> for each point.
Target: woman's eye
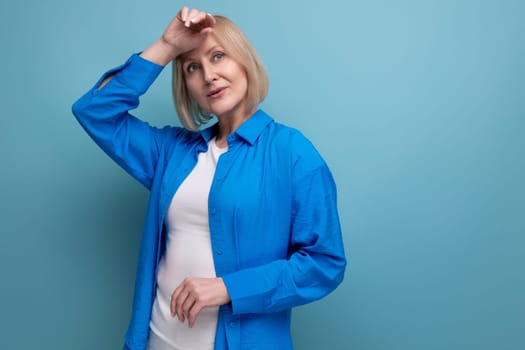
<point x="192" y="67"/>
<point x="218" y="56"/>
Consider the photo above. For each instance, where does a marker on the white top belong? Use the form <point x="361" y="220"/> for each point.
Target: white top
<point x="188" y="254"/>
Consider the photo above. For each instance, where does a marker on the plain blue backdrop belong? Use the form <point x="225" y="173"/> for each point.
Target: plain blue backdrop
<point x="417" y="106"/>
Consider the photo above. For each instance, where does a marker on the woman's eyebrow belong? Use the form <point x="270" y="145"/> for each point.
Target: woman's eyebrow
<point x="190" y="58"/>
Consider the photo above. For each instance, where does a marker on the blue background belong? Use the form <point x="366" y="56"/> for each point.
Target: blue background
<point x="417" y="106"/>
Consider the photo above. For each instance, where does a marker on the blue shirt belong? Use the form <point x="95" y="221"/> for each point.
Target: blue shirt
<point x="274" y="225"/>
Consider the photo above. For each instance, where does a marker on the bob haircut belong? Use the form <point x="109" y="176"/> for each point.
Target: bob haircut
<point x="235" y="45"/>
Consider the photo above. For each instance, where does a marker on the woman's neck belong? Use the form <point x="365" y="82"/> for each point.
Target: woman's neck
<point x="228" y="125"/>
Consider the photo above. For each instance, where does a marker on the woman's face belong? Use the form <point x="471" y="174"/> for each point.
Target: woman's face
<point x="215" y="80"/>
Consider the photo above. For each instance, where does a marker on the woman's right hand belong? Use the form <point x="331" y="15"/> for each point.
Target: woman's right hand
<point x="186" y="31"/>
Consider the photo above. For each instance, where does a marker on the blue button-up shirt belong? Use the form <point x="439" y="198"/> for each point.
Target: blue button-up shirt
<point x="273" y="218"/>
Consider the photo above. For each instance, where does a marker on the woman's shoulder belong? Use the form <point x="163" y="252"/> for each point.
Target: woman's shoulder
<point x="297" y="145"/>
<point x="176" y="137"/>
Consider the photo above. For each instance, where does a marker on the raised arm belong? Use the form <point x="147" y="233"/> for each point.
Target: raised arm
<point x="104" y="114"/>
<point x="186" y="31"/>
<point x="104" y="110"/>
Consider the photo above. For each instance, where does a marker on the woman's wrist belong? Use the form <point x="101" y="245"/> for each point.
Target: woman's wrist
<point x="160" y="53"/>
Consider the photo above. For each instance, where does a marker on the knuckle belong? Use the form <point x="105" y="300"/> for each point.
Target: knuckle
<point x="192" y="284"/>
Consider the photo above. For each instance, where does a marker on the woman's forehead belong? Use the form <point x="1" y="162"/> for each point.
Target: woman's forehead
<point x="208" y="45"/>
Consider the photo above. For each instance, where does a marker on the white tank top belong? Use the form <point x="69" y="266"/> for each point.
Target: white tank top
<point x="188" y="254"/>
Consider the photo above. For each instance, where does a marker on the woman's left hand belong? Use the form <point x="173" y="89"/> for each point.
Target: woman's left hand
<point x="194" y="294"/>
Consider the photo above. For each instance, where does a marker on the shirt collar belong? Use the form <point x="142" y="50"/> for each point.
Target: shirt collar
<point x="248" y="131"/>
<point x="209" y="132"/>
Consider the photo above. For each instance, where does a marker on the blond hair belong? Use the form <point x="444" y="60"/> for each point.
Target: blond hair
<point x="237" y="46"/>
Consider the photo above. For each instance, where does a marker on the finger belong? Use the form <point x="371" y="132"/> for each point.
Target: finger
<point x="172" y="302"/>
<point x="179" y="302"/>
<point x="198" y="22"/>
<point x="202" y="24"/>
<point x="191" y="17"/>
<point x="206" y="31"/>
<point x="198" y="18"/>
<point x="188" y="306"/>
<point x="184" y="13"/>
<point x="174" y="298"/>
<point x="179" y="314"/>
<point x="207" y="20"/>
<point x="211" y="19"/>
<point x="207" y="23"/>
<point x="194" y="312"/>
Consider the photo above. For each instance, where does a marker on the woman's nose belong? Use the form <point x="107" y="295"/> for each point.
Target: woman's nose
<point x="209" y="74"/>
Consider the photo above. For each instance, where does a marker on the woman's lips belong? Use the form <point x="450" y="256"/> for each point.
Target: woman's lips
<point x="216" y="93"/>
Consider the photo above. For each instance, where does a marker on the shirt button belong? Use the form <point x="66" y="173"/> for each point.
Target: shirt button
<point x="212" y="211"/>
<point x="219" y="251"/>
<point x="233" y="324"/>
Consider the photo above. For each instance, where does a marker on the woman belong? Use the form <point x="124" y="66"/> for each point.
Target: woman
<point x="242" y="222"/>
